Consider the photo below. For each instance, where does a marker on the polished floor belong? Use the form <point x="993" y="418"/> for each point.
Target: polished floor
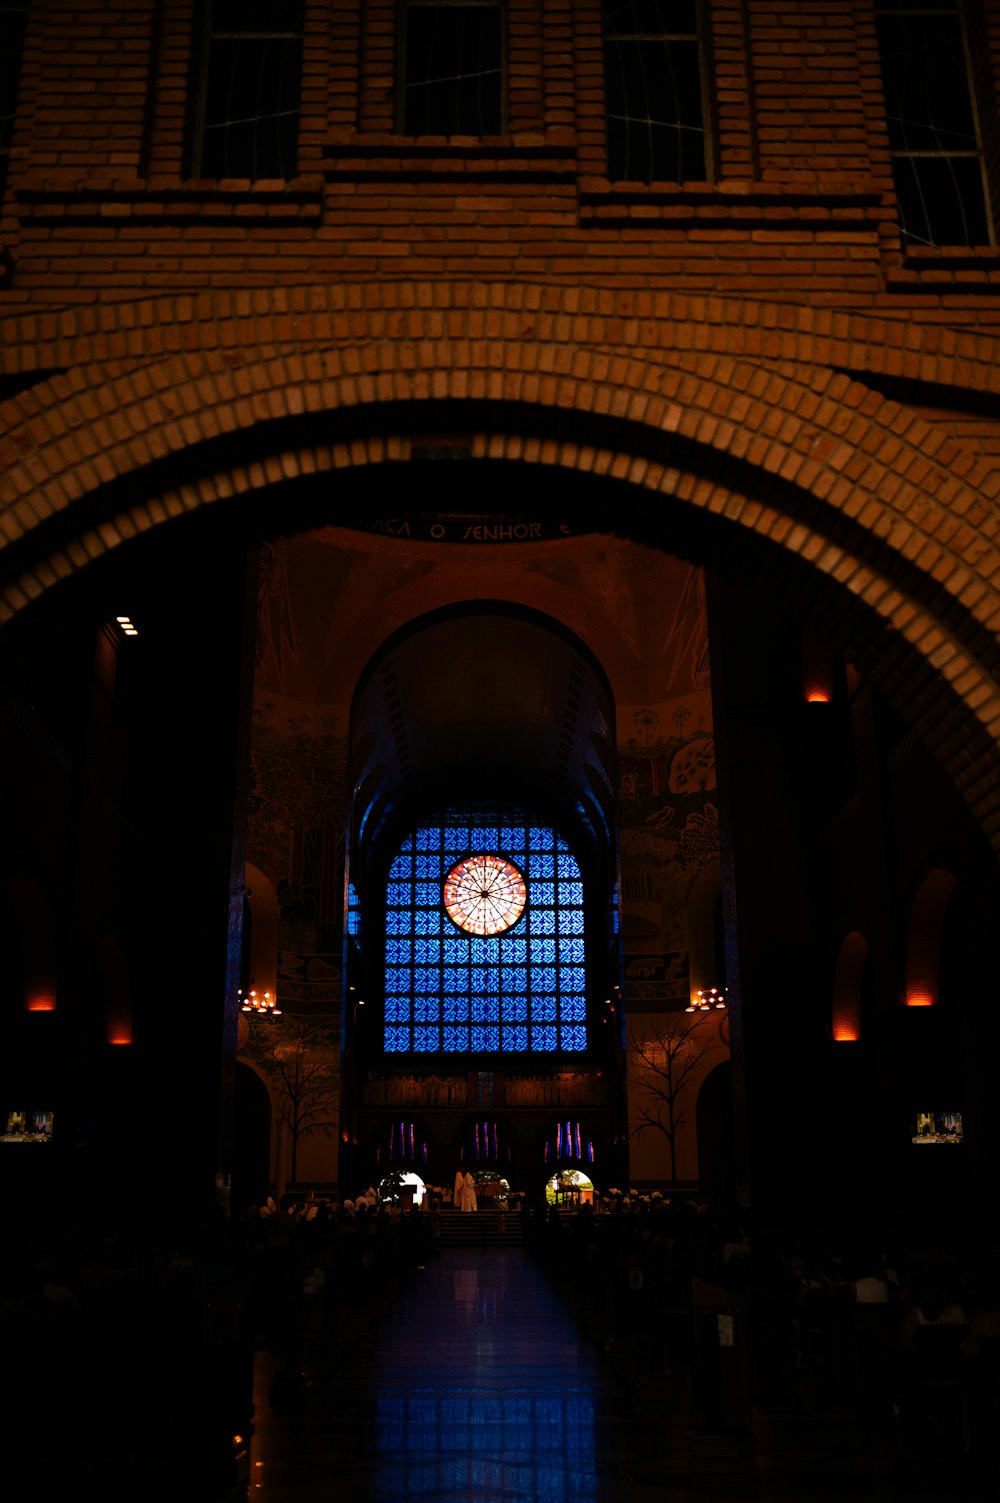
<point x="478" y="1385"/>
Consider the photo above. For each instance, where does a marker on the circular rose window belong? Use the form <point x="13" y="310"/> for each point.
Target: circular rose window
<point x="484" y="894"/>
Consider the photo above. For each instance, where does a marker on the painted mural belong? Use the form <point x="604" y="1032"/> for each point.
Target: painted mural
<point x="295" y="836"/>
<point x="667" y="808"/>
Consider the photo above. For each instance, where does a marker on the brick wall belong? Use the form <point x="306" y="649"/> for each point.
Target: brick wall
<point x="819" y="388"/>
<point x="100" y="205"/>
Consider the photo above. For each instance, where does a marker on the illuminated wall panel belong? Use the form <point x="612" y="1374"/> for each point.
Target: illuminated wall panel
<point x="448" y="990"/>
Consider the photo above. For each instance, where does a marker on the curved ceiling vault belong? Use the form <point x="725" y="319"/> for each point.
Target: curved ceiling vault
<point x="481" y="701"/>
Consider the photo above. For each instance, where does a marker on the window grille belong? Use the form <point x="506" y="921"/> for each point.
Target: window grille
<point x="654" y="91"/>
<point x="12" y="23"/>
<point x="452" y="69"/>
<point x="937" y="158"/>
<point x="450" y="990"/>
<point x="249" y="89"/>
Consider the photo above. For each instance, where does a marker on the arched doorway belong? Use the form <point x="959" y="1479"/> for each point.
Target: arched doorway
<point x="615" y="503"/>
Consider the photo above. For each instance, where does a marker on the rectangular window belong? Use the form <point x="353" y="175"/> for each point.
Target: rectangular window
<point x="654" y="91"/>
<point x="12" y="22"/>
<point x="937" y="158"/>
<point x="452" y="69"/>
<point x="249" y="89"/>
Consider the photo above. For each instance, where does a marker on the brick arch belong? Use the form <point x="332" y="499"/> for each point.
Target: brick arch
<point x="823" y="471"/>
<point x="292" y="319"/>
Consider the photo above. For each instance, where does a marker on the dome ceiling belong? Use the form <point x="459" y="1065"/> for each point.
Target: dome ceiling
<point x="482" y="702"/>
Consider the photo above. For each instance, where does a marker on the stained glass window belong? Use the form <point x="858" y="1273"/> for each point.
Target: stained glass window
<point x="455" y="979"/>
<point x="484" y="894"/>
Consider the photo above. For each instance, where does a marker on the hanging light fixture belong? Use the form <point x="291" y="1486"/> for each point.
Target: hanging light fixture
<point x="258" y="1004"/>
<point x="707" y="998"/>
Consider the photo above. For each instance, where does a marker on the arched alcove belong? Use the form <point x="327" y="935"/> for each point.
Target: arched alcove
<point x="848" y="983"/>
<point x="923" y="938"/>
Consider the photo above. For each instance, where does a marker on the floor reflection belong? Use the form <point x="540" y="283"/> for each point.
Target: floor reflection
<point x="506" y="1403"/>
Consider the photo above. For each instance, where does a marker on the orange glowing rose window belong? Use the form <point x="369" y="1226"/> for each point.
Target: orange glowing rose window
<point x="484" y="894"/>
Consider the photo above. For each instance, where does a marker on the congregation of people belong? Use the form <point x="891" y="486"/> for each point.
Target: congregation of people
<point x="900" y="1324"/>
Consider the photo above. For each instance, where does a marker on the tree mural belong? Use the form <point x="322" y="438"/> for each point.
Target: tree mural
<point x="668" y="1057"/>
<point x="299" y="1055"/>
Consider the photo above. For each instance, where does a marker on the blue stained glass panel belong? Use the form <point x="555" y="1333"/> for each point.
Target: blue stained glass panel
<point x="457" y="977"/>
<point x="573" y="1037"/>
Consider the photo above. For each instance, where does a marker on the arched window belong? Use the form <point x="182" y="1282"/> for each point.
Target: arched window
<point x="484" y="939"/>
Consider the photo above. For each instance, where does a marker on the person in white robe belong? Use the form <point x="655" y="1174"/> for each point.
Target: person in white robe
<point x="469" y="1193"/>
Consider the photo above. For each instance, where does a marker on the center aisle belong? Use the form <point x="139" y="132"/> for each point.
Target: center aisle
<point x="477" y="1387"/>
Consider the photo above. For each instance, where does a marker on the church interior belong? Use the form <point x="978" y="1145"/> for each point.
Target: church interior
<point x="500" y="713"/>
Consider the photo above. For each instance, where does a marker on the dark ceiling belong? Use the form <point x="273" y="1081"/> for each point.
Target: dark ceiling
<point x="482" y="703"/>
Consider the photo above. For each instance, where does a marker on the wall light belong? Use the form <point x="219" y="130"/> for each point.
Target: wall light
<point x="707" y="998"/>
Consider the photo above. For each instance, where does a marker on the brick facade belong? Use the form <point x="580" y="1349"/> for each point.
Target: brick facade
<point x="780" y="388"/>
